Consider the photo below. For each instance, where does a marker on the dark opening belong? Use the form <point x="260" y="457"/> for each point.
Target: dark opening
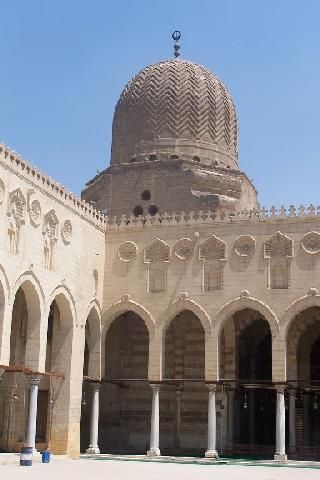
<point x="146" y="195"/>
<point x="152" y="157"/>
<point x="153" y="209"/>
<point x="196" y="159"/>
<point x="137" y="211"/>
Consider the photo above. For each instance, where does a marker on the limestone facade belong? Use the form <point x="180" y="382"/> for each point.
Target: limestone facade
<point x="193" y="328"/>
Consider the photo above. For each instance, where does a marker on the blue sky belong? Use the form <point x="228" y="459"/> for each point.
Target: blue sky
<point x="65" y="62"/>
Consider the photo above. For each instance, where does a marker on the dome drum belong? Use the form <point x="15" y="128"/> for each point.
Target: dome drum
<point x="168" y="148"/>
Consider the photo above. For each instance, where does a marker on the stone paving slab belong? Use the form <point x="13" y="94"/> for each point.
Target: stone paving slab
<point x="86" y="469"/>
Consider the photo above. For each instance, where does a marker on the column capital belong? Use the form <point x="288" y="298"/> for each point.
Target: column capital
<point x="280" y="388"/>
<point x="212" y="387"/>
<point x="95" y="385"/>
<point x="155" y="387"/>
<point x="35" y="379"/>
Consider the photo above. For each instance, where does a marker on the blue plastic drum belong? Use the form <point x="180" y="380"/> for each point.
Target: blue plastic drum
<point x="26" y="456"/>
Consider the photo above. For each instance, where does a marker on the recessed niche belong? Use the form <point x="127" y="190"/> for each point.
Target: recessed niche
<point x="196" y="159"/>
<point x="152" y="157"/>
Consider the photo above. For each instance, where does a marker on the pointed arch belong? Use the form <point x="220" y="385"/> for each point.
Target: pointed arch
<point x="296" y="307"/>
<point x="93" y="338"/>
<point x="5" y="320"/>
<point x="240" y="303"/>
<point x="179" y="306"/>
<point x="122" y="306"/>
<point x="65" y="301"/>
<point x="34" y="355"/>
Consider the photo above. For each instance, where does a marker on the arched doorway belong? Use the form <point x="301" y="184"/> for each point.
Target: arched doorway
<point x="303" y="364"/>
<point x="183" y="394"/>
<point x="25" y="351"/>
<point x="125" y="395"/>
<point x="64" y="376"/>
<point x="246" y="370"/>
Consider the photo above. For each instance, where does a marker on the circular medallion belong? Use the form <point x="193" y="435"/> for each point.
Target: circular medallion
<point x="66" y="231"/>
<point x="245" y="246"/>
<point x="311" y="242"/>
<point x="127" y="251"/>
<point x="184" y="248"/>
<point x="35" y="213"/>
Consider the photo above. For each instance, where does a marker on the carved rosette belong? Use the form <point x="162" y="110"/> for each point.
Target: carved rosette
<point x="311" y="242"/>
<point x="2" y="191"/>
<point x="184" y="248"/>
<point x="35" y="213"/>
<point x="66" y="231"/>
<point x="127" y="251"/>
<point x="245" y="246"/>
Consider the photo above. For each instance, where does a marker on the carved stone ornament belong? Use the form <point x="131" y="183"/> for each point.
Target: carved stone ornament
<point x="66" y="231"/>
<point x="213" y="248"/>
<point x="17" y="206"/>
<point x="311" y="242"/>
<point x="157" y="251"/>
<point x="184" y="248"/>
<point x="50" y="225"/>
<point x="127" y="251"/>
<point x="35" y="213"/>
<point x="278" y="245"/>
<point x="245" y="246"/>
<point x="125" y="297"/>
<point x="2" y="191"/>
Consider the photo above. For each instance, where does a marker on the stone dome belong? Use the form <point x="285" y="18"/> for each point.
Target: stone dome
<point x="175" y="109"/>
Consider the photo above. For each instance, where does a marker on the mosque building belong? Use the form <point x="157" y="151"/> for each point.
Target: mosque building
<point x="164" y="312"/>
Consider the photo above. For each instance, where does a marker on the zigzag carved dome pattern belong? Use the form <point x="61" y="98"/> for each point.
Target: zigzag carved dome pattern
<point x="174" y="99"/>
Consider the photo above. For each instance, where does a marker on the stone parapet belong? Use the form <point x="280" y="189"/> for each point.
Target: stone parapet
<point x="32" y="175"/>
<point x="210" y="217"/>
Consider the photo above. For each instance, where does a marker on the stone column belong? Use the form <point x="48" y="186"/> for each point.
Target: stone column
<point x="252" y="419"/>
<point x="32" y="414"/>
<point x="280" y="454"/>
<point x="177" y="420"/>
<point x="292" y="422"/>
<point x="306" y="420"/>
<point x="155" y="417"/>
<point x="230" y="419"/>
<point x="2" y="370"/>
<point x="212" y="422"/>
<point x="94" y="420"/>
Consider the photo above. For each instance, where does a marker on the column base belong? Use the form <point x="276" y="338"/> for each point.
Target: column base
<point x="153" y="452"/>
<point x="280" y="457"/>
<point x="211" y="454"/>
<point x="93" y="450"/>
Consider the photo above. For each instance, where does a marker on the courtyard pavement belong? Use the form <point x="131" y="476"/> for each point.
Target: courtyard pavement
<point x="90" y="469"/>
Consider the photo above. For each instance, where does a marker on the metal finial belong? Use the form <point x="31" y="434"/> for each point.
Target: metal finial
<point x="176" y="37"/>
